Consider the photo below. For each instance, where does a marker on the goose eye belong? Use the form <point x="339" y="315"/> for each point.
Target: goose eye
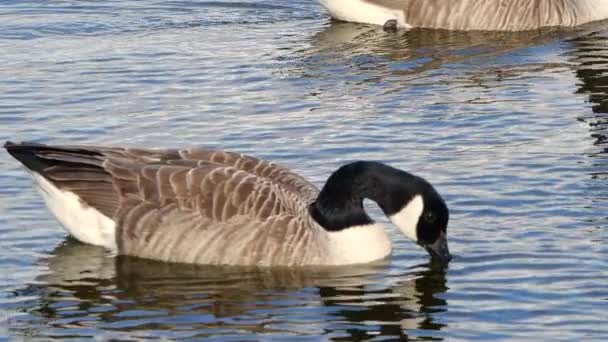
<point x="430" y="217"/>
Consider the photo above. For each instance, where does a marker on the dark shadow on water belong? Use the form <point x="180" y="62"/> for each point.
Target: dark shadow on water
<point x="87" y="288"/>
<point x="590" y="53"/>
<point x="367" y="47"/>
<point x="410" y="305"/>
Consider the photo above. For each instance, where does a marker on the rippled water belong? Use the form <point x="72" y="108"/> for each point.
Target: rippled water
<point x="511" y="128"/>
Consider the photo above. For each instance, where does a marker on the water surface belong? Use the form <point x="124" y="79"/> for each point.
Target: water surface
<point x="511" y="128"/>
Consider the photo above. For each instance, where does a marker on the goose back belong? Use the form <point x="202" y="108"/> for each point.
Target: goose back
<point x="504" y="15"/>
<point x="212" y="214"/>
<point x="190" y="205"/>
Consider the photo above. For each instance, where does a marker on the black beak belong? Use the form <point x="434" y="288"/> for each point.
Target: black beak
<point x="439" y="249"/>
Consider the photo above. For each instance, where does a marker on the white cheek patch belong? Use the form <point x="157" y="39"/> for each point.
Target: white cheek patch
<point x="407" y="218"/>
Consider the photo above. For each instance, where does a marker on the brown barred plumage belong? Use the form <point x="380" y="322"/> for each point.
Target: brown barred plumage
<point x="190" y="205"/>
<point x="495" y="15"/>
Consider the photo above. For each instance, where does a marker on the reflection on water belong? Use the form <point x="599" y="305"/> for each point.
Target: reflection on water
<point x="85" y="287"/>
<point x="590" y="55"/>
<point x="405" y="306"/>
<point x="418" y="50"/>
<point x="591" y="59"/>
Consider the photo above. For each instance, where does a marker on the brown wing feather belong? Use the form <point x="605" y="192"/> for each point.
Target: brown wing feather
<point x="85" y="170"/>
<point x="185" y="205"/>
<point x="274" y="173"/>
<point x="492" y="14"/>
<point x="199" y="156"/>
<point x="210" y="213"/>
<point x="71" y="169"/>
<point x="400" y="4"/>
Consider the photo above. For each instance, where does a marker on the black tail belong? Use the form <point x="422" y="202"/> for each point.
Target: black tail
<point x="76" y="169"/>
<point x="39" y="157"/>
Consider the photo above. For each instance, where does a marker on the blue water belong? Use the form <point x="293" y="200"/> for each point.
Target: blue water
<point x="511" y="128"/>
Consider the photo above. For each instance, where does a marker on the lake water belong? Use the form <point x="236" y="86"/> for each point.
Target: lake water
<point x="511" y="128"/>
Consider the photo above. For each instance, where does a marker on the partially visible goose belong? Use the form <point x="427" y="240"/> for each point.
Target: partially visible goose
<point x="215" y="207"/>
<point x="495" y="15"/>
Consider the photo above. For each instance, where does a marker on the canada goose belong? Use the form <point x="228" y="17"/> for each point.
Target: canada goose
<point x="489" y="15"/>
<point x="214" y="207"/>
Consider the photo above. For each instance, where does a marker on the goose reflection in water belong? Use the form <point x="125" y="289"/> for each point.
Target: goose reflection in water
<point x="409" y="57"/>
<point x="590" y="54"/>
<point x="416" y="50"/>
<point x="87" y="288"/>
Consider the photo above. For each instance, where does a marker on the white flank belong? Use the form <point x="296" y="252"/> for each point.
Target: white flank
<point x="407" y="218"/>
<point x="593" y="10"/>
<point x="82" y="222"/>
<point x="358" y="245"/>
<point x="363" y="12"/>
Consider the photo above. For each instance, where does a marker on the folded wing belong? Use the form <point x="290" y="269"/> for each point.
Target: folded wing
<point x="192" y="205"/>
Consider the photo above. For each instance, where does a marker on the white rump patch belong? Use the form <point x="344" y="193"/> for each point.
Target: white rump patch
<point x="364" y="12"/>
<point x="358" y="245"/>
<point x="82" y="222"/>
<point x="407" y="218"/>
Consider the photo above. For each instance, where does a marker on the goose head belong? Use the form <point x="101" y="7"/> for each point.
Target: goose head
<point x="411" y="203"/>
<point x="421" y="215"/>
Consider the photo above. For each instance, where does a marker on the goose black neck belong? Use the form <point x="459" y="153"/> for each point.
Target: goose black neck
<point x="340" y="202"/>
